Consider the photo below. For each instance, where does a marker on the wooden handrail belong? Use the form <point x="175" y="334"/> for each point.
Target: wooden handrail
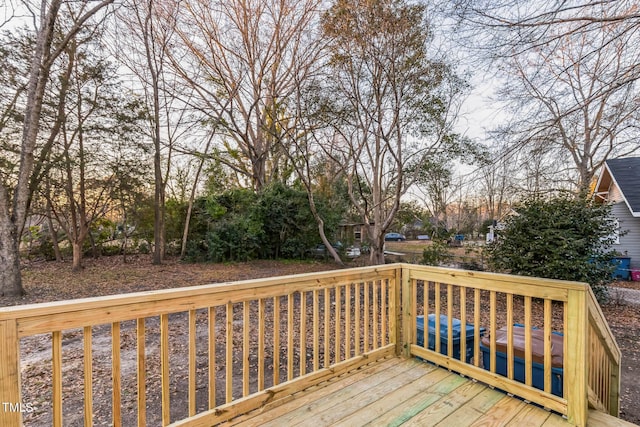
<point x="325" y="323"/>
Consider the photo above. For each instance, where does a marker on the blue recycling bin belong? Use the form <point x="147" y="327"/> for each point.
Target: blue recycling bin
<point x="444" y="335"/>
<point x="623" y="268"/>
<point x="537" y="365"/>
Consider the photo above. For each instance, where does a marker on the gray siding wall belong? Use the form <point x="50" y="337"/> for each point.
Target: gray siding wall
<point x="630" y="242"/>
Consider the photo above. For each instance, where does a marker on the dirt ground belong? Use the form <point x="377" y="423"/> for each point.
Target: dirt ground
<point x="46" y="281"/>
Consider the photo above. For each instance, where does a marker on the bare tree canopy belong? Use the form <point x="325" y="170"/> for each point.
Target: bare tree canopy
<point x="570" y="70"/>
<point x="245" y="59"/>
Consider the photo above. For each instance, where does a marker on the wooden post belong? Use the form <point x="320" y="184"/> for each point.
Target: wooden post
<point x="10" y="374"/>
<point x="575" y="356"/>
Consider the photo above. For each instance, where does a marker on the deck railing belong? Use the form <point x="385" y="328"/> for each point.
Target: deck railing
<point x="206" y="354"/>
<point x="590" y="372"/>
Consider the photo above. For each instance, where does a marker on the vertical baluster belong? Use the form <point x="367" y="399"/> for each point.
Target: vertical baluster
<point x="493" y="327"/>
<point x="212" y="357"/>
<point x="246" y="325"/>
<point x="450" y="320"/>
<point x="316" y="330"/>
<point x="229" y="354"/>
<point x="164" y="368"/>
<point x="366" y="307"/>
<point x="384" y="326"/>
<point x="192" y="363"/>
<point x="414" y="311"/>
<point x="528" y="359"/>
<point x="425" y="314"/>
<point x="56" y="359"/>
<point x="338" y="326"/>
<point x="327" y="324"/>
<point x="261" y="334"/>
<point x="607" y="375"/>
<point x="116" y="374"/>
<point x="600" y="371"/>
<point x="357" y="324"/>
<point x="591" y="378"/>
<point x="476" y="330"/>
<point x="463" y="323"/>
<point x="437" y="319"/>
<point x="547" y="345"/>
<point x="510" y="350"/>
<point x="303" y="333"/>
<point x="376" y="314"/>
<point x="276" y="340"/>
<point x="290" y="337"/>
<point x="88" y="377"/>
<point x="141" y="367"/>
<point x="347" y="322"/>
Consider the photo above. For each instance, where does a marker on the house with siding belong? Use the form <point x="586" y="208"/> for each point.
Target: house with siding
<point x="619" y="185"/>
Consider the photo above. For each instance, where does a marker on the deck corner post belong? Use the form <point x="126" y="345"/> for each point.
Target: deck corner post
<point x="10" y="397"/>
<point x="575" y="357"/>
<point x="407" y="308"/>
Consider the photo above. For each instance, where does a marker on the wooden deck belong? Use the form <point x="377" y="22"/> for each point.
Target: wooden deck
<point x="408" y="392"/>
<point x="277" y="350"/>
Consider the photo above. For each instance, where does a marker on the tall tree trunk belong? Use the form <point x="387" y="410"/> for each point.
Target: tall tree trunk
<point x="77" y="256"/>
<point x="187" y="221"/>
<point x="320" y="222"/>
<point x="54" y="235"/>
<point x="10" y="280"/>
<point x="376" y="255"/>
<point x="159" y="193"/>
<point x="11" y="224"/>
<point x="125" y="234"/>
<point x="158" y="212"/>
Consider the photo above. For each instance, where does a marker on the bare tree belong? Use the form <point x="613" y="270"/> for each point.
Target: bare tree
<point x="495" y="182"/>
<point x="245" y="59"/>
<point x="80" y="185"/>
<point x="570" y="105"/>
<point x="13" y="213"/>
<point x="389" y="103"/>
<point x="571" y="71"/>
<point x="436" y="187"/>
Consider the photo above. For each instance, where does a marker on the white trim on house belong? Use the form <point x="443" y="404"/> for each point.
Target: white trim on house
<point x="613" y="193"/>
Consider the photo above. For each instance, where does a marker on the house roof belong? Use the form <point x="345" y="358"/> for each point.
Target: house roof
<point x="625" y="172"/>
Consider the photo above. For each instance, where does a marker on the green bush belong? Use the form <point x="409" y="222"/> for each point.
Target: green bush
<point x="561" y="238"/>
<point x="436" y="253"/>
<point x="240" y="225"/>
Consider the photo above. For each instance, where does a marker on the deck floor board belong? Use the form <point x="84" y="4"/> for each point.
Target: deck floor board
<point x="406" y="392"/>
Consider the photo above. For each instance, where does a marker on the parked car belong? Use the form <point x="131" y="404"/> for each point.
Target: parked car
<point x="353" y="252"/>
<point x="394" y="237"/>
<point x="320" y="250"/>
